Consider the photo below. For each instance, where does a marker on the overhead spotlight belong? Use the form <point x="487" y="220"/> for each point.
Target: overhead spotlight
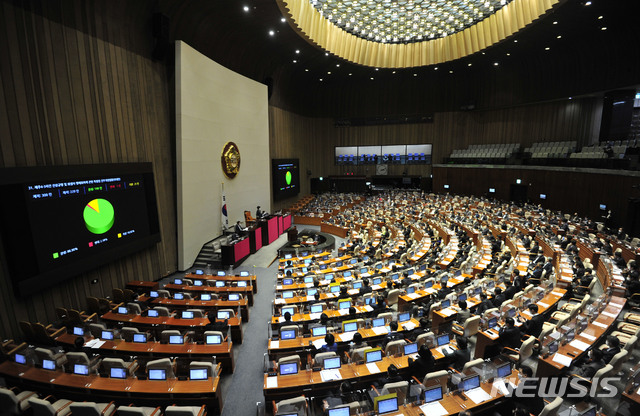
<point x="603" y="28"/>
<point x="515" y="41"/>
<point x="469" y="64"/>
<point x="337" y="65"/>
<point x="272" y="33"/>
<point x="451" y="72"/>
<point x="297" y="50"/>
<point x="245" y="8"/>
<point x="496" y="63"/>
<point x="559" y="37"/>
<point x="547" y="48"/>
<point x="371" y="78"/>
<point x="435" y="68"/>
<point x="415" y="75"/>
<point x="295" y="61"/>
<point x="320" y="79"/>
<point x="328" y="72"/>
<point x="350" y="74"/>
<point x="306" y="70"/>
<point x="587" y="3"/>
<point x="326" y="54"/>
<point x="283" y="20"/>
<point x="393" y="72"/>
<point x="555" y="22"/>
<point x="600" y="17"/>
<point x="377" y="69"/>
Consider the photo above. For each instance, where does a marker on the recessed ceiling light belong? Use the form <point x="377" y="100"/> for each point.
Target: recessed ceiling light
<point x="393" y="72"/>
<point x="415" y="75"/>
<point x="469" y="64"/>
<point x="328" y="72"/>
<point x="559" y="37"/>
<point x="306" y="70"/>
<point x="555" y="22"/>
<point x="283" y="20"/>
<point x="547" y="48"/>
<point x="246" y="8"/>
<point x="515" y="41"/>
<point x="377" y="69"/>
<point x="496" y="64"/>
<point x="435" y="68"/>
<point x="588" y="3"/>
<point x="571" y="98"/>
<point x="295" y="61"/>
<point x="371" y="78"/>
<point x="350" y="74"/>
<point x="326" y="54"/>
<point x="338" y="65"/>
<point x="297" y="50"/>
<point x="271" y="32"/>
<point x="603" y="28"/>
<point x="508" y="54"/>
<point x="483" y="53"/>
<point x="600" y="17"/>
<point x="320" y="79"/>
<point x="451" y="72"/>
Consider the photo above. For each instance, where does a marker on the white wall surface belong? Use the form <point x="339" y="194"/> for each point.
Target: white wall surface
<point x="215" y="105"/>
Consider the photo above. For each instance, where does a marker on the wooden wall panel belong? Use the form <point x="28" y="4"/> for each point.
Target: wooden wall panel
<point x="313" y="139"/>
<point x="78" y="86"/>
<point x="568" y="190"/>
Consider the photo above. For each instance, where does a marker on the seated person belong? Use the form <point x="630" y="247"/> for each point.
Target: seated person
<point x="356" y="343"/>
<point x="392" y="376"/>
<point x="509" y="335"/>
<point x="392" y="335"/>
<point x="287" y="320"/>
<point x="459" y="357"/>
<point x="330" y="344"/>
<point x="463" y="312"/>
<point x="422" y="329"/>
<point x="611" y="349"/>
<point x="345" y="394"/>
<point x="484" y="304"/>
<point x="592" y="365"/>
<point x="425" y="363"/>
<point x="498" y="298"/>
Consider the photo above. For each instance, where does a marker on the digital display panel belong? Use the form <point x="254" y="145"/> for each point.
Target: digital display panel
<point x="285" y="178"/>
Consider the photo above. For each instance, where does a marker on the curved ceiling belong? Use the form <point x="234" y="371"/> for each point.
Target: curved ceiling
<point x="410" y="33"/>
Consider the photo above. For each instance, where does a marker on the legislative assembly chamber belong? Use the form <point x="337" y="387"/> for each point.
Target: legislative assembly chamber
<point x="319" y="207"/>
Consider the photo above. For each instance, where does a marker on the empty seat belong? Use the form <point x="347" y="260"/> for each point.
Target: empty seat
<point x="12" y="404"/>
<point x="92" y="409"/>
<point x="184" y="411"/>
<point x="44" y="408"/>
<point x="74" y="358"/>
<point x="138" y="411"/>
<point x="46" y="354"/>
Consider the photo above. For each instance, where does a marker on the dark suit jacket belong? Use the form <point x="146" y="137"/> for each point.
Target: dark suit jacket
<point x="590" y="369"/>
<point x="497" y="301"/>
<point x="483" y="307"/>
<point x="509" y="337"/>
<point x="608" y="353"/>
<point x="459" y="358"/>
<point x="509" y="292"/>
<point x="364" y="290"/>
<point x="420" y="367"/>
<point x="534" y="325"/>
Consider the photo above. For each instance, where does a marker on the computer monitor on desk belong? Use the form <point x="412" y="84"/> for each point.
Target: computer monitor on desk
<point x="140" y="338"/>
<point x="433" y="394"/>
<point x="117" y="372"/>
<point x="339" y="411"/>
<point x="213" y="340"/>
<point x="81" y="369"/>
<point x="443" y="340"/>
<point x="157" y="374"/>
<point x="469" y="383"/>
<point x="198" y="374"/>
<point x="288" y="334"/>
<point x="286" y="369"/>
<point x="48" y="364"/>
<point x="386" y="404"/>
<point x="373" y="355"/>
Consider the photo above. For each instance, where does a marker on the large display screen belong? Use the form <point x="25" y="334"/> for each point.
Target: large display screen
<point x="58" y="222"/>
<point x="285" y="178"/>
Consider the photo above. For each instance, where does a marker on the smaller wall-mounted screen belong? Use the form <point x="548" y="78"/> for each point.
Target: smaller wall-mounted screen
<point x="285" y="177"/>
<point x="347" y="155"/>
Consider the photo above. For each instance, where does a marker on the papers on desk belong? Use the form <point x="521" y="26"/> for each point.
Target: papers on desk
<point x="365" y="275"/>
<point x="502" y="387"/>
<point x="314" y="316"/>
<point x="329" y="375"/>
<point x="433" y="409"/>
<point x="346" y="336"/>
<point x="610" y="315"/>
<point x="542" y="304"/>
<point x="348" y="279"/>
<point x="447" y="311"/>
<point x="310" y="298"/>
<point x="279" y="301"/>
<point x="368" y="308"/>
<point x="272" y="382"/>
<point x="376" y="287"/>
<point x="380" y="330"/>
<point x="308" y="284"/>
<point x="557" y="293"/>
<point x="94" y="343"/>
<point x="280" y="319"/>
<point x="450" y="283"/>
<point x="582" y="346"/>
<point x="319" y="343"/>
<point x="408" y="326"/>
<point x="414" y="276"/>
<point x="413" y="295"/>
<point x="343" y="312"/>
<point x="274" y="344"/>
<point x="279" y="287"/>
<point x="373" y="368"/>
<point x="587" y="336"/>
<point x="601" y="325"/>
<point x="430" y="290"/>
<point x="617" y="305"/>
<point x="477" y="395"/>
<point x="562" y="359"/>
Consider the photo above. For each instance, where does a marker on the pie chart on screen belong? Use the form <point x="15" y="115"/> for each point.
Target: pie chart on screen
<point x="98" y="216"/>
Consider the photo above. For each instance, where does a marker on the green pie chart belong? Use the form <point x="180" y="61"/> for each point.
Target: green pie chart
<point x="98" y="216"/>
<point x="287" y="178"/>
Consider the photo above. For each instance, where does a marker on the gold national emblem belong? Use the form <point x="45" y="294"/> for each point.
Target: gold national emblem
<point x="230" y="160"/>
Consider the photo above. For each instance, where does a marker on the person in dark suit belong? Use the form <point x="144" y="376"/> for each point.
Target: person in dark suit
<point x="613" y="347"/>
<point x="461" y="356"/>
<point x="259" y="213"/>
<point x="537" y="272"/>
<point x="593" y="364"/>
<point x="510" y="290"/>
<point x="422" y="329"/>
<point x="548" y="265"/>
<point x="517" y="280"/>
<point x="533" y="403"/>
<point x="287" y="320"/>
<point x="498" y="298"/>
<point x="392" y="335"/>
<point x="463" y="312"/>
<point x="425" y="363"/>
<point x="365" y="288"/>
<point x="534" y="325"/>
<point x="392" y="376"/>
<point x="483" y="305"/>
<point x="239" y="228"/>
<point x="330" y="344"/>
<point x="215" y="325"/>
<point x="509" y="335"/>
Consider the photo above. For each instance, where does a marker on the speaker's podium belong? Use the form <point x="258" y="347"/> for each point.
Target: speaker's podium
<point x="235" y="252"/>
<point x="273" y="226"/>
